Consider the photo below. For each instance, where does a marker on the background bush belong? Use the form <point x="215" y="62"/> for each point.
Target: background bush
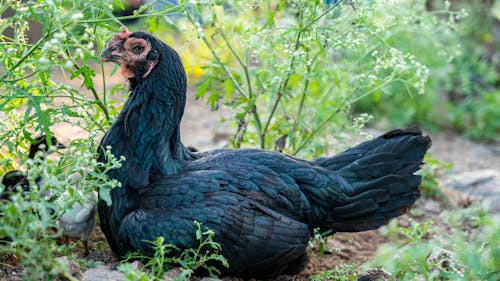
<point x="464" y="64"/>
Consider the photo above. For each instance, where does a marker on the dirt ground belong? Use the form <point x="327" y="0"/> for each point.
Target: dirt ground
<point x="201" y="128"/>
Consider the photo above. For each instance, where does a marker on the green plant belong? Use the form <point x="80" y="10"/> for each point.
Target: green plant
<point x="35" y="95"/>
<point x="414" y="233"/>
<point x="475" y="253"/>
<point x="463" y="71"/>
<point x="344" y="272"/>
<point x="294" y="69"/>
<point x="320" y="239"/>
<point x="27" y="218"/>
<point x="430" y="184"/>
<point x="167" y="256"/>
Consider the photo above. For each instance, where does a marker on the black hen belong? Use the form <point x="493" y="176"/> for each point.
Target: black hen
<point x="261" y="205"/>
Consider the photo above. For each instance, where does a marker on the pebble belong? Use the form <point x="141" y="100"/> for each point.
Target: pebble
<point x="73" y="267"/>
<point x="481" y="184"/>
<point x="172" y="274"/>
<point x="102" y="273"/>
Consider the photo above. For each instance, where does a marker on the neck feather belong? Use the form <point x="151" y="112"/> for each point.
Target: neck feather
<point x="147" y="131"/>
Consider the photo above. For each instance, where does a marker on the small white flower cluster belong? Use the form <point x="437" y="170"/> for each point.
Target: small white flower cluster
<point x="199" y="30"/>
<point x="402" y="64"/>
<point x="76" y="16"/>
<point x="352" y="40"/>
<point x="360" y="121"/>
<point x="54" y="45"/>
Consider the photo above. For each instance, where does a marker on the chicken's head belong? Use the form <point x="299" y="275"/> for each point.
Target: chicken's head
<point x="146" y="60"/>
<point x="135" y="55"/>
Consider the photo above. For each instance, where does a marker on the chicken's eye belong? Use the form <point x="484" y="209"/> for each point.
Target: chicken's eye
<point x="137" y="49"/>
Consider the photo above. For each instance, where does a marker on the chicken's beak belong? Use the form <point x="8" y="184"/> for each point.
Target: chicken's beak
<point x="60" y="146"/>
<point x="106" y="55"/>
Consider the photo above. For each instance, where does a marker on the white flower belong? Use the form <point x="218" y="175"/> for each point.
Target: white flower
<point x="76" y="16"/>
<point x="44" y="60"/>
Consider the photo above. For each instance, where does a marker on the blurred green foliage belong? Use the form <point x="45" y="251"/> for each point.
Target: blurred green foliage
<point x="464" y="63"/>
<point x="430" y="172"/>
<point x="344" y="272"/>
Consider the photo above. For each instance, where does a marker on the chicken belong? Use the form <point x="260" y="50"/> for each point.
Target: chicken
<point x="16" y="178"/>
<point x="261" y="205"/>
<point x="79" y="221"/>
<point x="17" y="181"/>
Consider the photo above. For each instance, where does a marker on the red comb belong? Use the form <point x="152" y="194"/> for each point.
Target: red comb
<point x="122" y="35"/>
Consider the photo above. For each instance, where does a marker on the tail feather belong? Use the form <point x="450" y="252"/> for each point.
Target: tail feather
<point x="379" y="178"/>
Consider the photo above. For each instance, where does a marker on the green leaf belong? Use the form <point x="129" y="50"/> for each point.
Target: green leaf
<point x="105" y="194"/>
<point x="198" y="234"/>
<point x="118" y="4"/>
<point x="88" y="76"/>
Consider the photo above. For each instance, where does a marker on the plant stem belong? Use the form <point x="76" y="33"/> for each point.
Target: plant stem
<point x="252" y="106"/>
<point x="219" y="61"/>
<point x="98" y="101"/>
<point x="162" y="13"/>
<point x="316" y="130"/>
<point x="284" y="84"/>
<point x="297" y="41"/>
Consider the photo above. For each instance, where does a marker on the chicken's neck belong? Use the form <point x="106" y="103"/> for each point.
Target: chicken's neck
<point x="152" y="121"/>
<point x="147" y="132"/>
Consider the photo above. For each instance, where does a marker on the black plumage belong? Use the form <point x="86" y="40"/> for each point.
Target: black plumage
<point x="262" y="205"/>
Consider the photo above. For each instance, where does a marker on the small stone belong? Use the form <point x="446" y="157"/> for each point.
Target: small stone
<point x="73" y="267"/>
<point x="136" y="265"/>
<point x="210" y="279"/>
<point x="102" y="273"/>
<point x="172" y="274"/>
<point x="481" y="184"/>
<point x="375" y="274"/>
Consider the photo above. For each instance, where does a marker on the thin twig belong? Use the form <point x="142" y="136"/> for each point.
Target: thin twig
<point x="219" y="61"/>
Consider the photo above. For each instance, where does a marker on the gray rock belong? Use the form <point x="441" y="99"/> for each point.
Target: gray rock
<point x="102" y="273"/>
<point x="481" y="184"/>
<point x="72" y="267"/>
<point x="375" y="274"/>
<point x="136" y="265"/>
<point x="210" y="279"/>
<point x="172" y="274"/>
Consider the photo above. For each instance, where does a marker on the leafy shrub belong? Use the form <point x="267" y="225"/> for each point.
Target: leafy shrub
<point x="28" y="219"/>
<point x="32" y="100"/>
<point x="460" y="93"/>
<point x="295" y="67"/>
